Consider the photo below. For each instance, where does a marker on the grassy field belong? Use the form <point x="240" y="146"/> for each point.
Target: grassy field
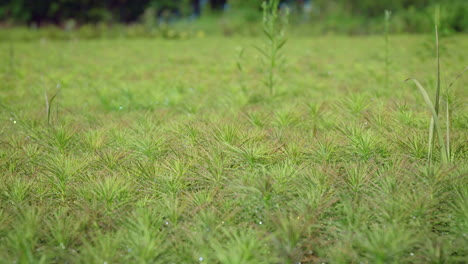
<point x="165" y="151"/>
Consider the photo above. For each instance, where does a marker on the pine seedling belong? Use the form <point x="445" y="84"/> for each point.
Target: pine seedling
<point x="274" y="25"/>
<point x="238" y="246"/>
<point x="63" y="230"/>
<point x="144" y="237"/>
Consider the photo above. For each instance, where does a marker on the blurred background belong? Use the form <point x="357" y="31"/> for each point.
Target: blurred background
<point x="188" y="18"/>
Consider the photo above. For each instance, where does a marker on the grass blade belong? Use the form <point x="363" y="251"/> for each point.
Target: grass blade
<point x="447" y="134"/>
<point x="457" y="77"/>
<point x="431" y="140"/>
<point x="437" y="97"/>
<point x="434" y="118"/>
<point x="49" y="104"/>
<point x="46" y="97"/>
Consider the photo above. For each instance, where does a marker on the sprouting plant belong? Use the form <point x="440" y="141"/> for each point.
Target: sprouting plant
<point x="12" y="57"/>
<point x="274" y="25"/>
<point x="240" y="69"/>
<point x="434" y="108"/>
<point x="388" y="15"/>
<point x="48" y="103"/>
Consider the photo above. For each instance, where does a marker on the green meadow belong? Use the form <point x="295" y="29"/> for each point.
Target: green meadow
<point x="175" y="151"/>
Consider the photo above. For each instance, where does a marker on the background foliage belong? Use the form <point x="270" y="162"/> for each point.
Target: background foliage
<point x="351" y="16"/>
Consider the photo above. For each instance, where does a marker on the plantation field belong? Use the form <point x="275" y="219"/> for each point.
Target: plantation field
<point x="174" y="151"/>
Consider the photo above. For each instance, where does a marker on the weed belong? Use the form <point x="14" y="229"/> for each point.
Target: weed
<point x="12" y="57"/>
<point x="388" y="15"/>
<point x="274" y="24"/>
<point x="48" y="105"/>
<point x="434" y="108"/>
<point x="240" y="70"/>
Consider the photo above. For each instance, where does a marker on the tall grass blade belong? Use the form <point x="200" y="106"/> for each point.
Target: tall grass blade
<point x="388" y="15"/>
<point x="448" y="111"/>
<point x="437" y="99"/>
<point x="239" y="60"/>
<point x="12" y="57"/>
<point x="49" y="104"/>
<point x="431" y="140"/>
<point x="447" y="134"/>
<point x="435" y="119"/>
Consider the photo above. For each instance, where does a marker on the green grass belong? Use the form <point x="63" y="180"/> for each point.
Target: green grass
<point x="434" y="108"/>
<point x="164" y="151"/>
